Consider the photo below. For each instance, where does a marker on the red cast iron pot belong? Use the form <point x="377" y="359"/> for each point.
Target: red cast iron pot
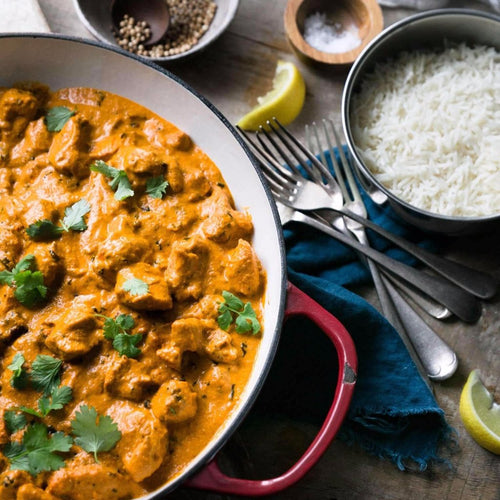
<point x="68" y="62"/>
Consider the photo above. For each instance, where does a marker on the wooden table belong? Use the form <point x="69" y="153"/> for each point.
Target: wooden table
<point x="236" y="69"/>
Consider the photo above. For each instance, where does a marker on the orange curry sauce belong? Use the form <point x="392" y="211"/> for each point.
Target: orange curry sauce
<point x="183" y="248"/>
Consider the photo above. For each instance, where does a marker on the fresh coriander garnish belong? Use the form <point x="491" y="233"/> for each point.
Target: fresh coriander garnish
<point x="57" y="398"/>
<point x="57" y="117"/>
<point x="156" y="187"/>
<point x="14" y="421"/>
<point x="44" y="229"/>
<point x="135" y="286"/>
<point x="73" y="216"/>
<point x="19" y="377"/>
<point x="243" y="315"/>
<point x="45" y="373"/>
<point x="29" y="287"/>
<point x="119" y="182"/>
<point x="37" y="451"/>
<point x="95" y="433"/>
<point x="117" y="331"/>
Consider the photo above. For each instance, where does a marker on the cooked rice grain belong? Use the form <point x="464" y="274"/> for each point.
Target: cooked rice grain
<point x="427" y="125"/>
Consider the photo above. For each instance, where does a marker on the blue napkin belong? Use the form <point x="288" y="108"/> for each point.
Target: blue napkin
<point x="393" y="413"/>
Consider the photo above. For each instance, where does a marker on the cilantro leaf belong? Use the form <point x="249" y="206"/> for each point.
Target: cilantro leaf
<point x="156" y="187"/>
<point x="29" y="288"/>
<point x="24" y="264"/>
<point x="58" y="397"/>
<point x="135" y="286"/>
<point x="73" y="216"/>
<point x="117" y="331"/>
<point x="95" y="433"/>
<point x="57" y="117"/>
<point x="37" y="451"/>
<point x="29" y="284"/>
<point x="45" y="373"/>
<point x="43" y="230"/>
<point x="119" y="182"/>
<point x="126" y="344"/>
<point x="19" y="377"/>
<point x="243" y="315"/>
<point x="14" y="421"/>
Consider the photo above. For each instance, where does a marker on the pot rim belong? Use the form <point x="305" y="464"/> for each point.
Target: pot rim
<point x="353" y="79"/>
<point x="248" y="398"/>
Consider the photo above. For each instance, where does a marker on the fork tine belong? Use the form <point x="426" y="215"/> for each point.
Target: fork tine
<point x="266" y="158"/>
<point x="345" y="164"/>
<point x="319" y="147"/>
<point x="335" y="164"/>
<point x="288" y="161"/>
<point x="310" y="156"/>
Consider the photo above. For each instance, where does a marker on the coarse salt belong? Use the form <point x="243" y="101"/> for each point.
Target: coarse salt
<point x="334" y="38"/>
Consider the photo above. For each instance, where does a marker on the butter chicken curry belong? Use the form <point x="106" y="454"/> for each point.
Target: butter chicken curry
<point x="131" y="297"/>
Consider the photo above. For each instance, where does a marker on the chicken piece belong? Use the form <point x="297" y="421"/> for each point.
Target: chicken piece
<point x="11" y="242"/>
<point x="11" y="481"/>
<point x="186" y="268"/>
<point x="155" y="131"/>
<point x="48" y="263"/>
<point x="17" y="109"/>
<point x="157" y="296"/>
<point x="105" y="147"/>
<point x="185" y="335"/>
<point x="174" y="402"/>
<point x="140" y="163"/>
<point x="39" y="209"/>
<point x="196" y="184"/>
<point x="32" y="492"/>
<point x="68" y="153"/>
<point x="81" y="483"/>
<point x="243" y="270"/>
<point x="197" y="335"/>
<point x="219" y="346"/>
<point x="175" y="177"/>
<point x="215" y="387"/>
<point x="224" y="224"/>
<point x="121" y="248"/>
<point x="143" y="445"/>
<point x="74" y="332"/>
<point x="36" y="140"/>
<point x="13" y="317"/>
<point x="128" y="378"/>
<point x="207" y="307"/>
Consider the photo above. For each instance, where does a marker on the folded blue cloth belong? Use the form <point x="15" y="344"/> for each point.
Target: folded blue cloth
<point x="393" y="413"/>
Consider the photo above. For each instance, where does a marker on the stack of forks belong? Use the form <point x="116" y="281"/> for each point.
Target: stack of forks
<point x="313" y="196"/>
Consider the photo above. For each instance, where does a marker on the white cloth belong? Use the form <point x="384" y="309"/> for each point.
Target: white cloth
<point x="22" y="16"/>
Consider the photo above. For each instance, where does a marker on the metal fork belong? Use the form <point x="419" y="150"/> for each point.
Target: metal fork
<point x="324" y="193"/>
<point x="353" y="202"/>
<point x="292" y="189"/>
<point x="440" y="362"/>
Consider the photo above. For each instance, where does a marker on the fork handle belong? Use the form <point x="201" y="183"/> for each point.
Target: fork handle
<point x="461" y="303"/>
<point x="480" y="284"/>
<point x="437" y="358"/>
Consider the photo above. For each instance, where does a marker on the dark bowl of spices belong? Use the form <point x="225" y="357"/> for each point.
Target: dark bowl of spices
<point x="189" y="25"/>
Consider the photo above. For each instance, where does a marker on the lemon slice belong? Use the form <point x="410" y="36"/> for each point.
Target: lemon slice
<point x="284" y="101"/>
<point x="480" y="414"/>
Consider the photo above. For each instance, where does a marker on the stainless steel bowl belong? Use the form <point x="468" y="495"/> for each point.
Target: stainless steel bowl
<point x="96" y="16"/>
<point x="422" y="31"/>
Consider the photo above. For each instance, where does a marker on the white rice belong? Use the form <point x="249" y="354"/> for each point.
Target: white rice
<point x="428" y="127"/>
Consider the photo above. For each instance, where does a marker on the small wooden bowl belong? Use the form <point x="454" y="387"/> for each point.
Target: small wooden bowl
<point x="365" y="14"/>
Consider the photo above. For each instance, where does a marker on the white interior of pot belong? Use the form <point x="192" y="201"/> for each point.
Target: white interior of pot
<point x="70" y="63"/>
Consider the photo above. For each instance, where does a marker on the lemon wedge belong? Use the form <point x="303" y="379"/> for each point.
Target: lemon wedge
<point x="284" y="101"/>
<point x="480" y="414"/>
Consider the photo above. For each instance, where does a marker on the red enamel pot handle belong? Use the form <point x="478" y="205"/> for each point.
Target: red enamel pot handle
<point x="298" y="303"/>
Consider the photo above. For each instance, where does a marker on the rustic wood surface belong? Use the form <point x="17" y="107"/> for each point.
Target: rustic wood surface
<point x="231" y="73"/>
